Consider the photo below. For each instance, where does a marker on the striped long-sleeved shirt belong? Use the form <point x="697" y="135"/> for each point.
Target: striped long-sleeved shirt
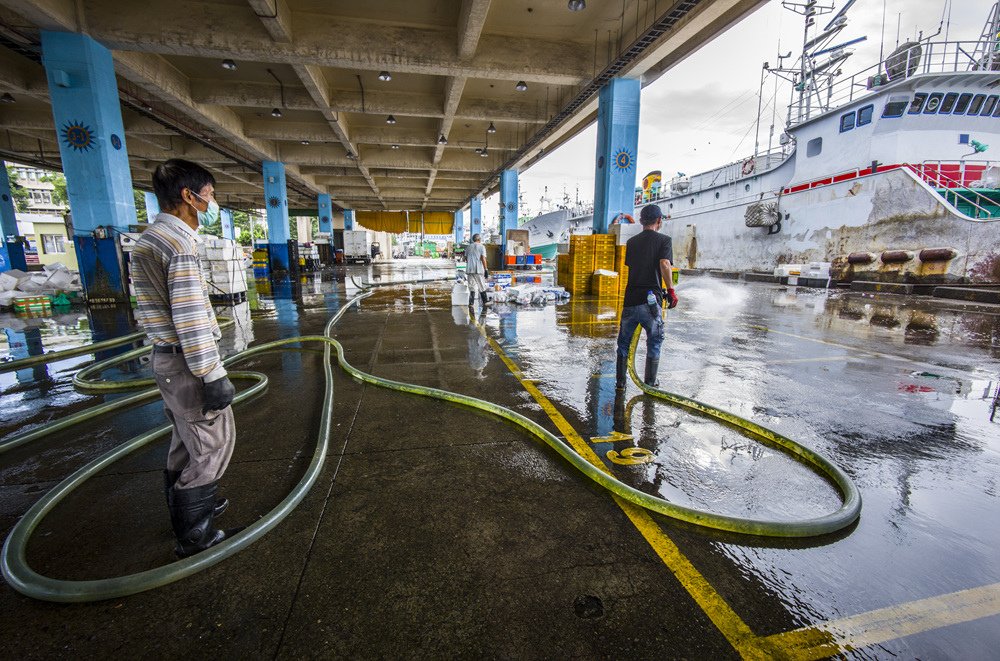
<point x="172" y="300"/>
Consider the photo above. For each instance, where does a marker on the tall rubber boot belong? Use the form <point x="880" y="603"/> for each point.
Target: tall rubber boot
<point x="652" y="367"/>
<point x="483" y="299"/>
<point x="621" y="373"/>
<point x="192" y="512"/>
<point x="472" y="301"/>
<point x="170" y="479"/>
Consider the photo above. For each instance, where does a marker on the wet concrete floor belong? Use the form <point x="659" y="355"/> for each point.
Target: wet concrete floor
<point x="439" y="532"/>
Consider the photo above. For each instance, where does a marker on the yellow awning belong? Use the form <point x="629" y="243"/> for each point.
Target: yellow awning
<point x="434" y="222"/>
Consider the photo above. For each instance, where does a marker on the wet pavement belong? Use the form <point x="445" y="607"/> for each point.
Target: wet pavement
<point x="435" y="531"/>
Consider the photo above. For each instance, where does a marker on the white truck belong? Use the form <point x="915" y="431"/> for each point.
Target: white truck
<point x="358" y="246"/>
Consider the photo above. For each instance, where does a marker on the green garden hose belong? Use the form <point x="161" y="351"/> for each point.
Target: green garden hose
<point x="17" y="572"/>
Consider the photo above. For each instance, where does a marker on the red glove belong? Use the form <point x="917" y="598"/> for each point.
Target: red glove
<point x="671" y="299"/>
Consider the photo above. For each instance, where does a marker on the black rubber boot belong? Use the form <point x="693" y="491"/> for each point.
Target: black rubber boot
<point x="472" y="300"/>
<point x="652" y="367"/>
<point x="192" y="512"/>
<point x="170" y="479"/>
<point x="482" y="298"/>
<point x="621" y="373"/>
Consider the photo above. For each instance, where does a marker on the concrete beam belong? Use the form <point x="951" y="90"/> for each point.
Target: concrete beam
<point x="265" y="95"/>
<point x="471" y="19"/>
<point x="219" y="31"/>
<point x="48" y="14"/>
<point x="276" y="17"/>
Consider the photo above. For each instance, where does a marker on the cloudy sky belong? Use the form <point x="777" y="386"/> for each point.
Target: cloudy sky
<point x="702" y="113"/>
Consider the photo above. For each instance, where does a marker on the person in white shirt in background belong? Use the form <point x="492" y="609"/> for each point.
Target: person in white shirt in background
<point x="476" y="271"/>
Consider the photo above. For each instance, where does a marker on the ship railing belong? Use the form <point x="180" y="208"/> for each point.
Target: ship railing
<point x="938" y="175"/>
<point x="924" y="58"/>
<point x="727" y="174"/>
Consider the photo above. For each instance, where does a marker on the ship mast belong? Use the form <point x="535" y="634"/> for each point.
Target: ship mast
<point x="811" y="75"/>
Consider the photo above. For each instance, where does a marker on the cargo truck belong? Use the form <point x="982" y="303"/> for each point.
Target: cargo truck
<point x="358" y="246"/>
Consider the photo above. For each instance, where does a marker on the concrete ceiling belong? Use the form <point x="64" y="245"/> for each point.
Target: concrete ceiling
<point x="454" y="66"/>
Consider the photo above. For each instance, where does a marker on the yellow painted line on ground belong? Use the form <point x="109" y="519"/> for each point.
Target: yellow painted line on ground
<point x="711" y="602"/>
<point x="885" y="624"/>
<point x="813" y="642"/>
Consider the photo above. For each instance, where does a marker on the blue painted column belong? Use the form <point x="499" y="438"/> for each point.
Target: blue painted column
<point x="508" y="204"/>
<point x="325" y="207"/>
<point x="12" y="253"/>
<point x="617" y="146"/>
<point x="348" y="219"/>
<point x="276" y="195"/>
<point x="152" y="206"/>
<point x="475" y="216"/>
<point x="88" y="123"/>
<point x="459" y="229"/>
<point x="228" y="228"/>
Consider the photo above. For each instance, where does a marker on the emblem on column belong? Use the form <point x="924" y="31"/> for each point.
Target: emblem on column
<point x="78" y="136"/>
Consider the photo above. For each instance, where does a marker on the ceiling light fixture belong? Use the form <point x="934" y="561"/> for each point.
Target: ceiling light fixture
<point x="491" y="129"/>
<point x="229" y="65"/>
<point x="484" y="153"/>
<point x="442" y="140"/>
<point x="351" y="155"/>
<point x="390" y="120"/>
<point x="276" y="112"/>
<point x="479" y="150"/>
<point x="7" y="98"/>
<point x="305" y="142"/>
<point x="395" y="146"/>
<point x="521" y="86"/>
<point x="576" y="5"/>
<point x="384" y="76"/>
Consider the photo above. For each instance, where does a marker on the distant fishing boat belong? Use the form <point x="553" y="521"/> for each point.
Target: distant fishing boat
<point x="884" y="173"/>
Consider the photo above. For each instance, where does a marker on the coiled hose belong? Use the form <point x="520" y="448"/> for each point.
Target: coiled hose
<point x="17" y="572"/>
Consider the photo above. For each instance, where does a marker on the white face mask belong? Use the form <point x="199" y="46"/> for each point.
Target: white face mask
<point x="209" y="216"/>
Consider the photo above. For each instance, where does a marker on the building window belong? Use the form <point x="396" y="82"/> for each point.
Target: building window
<point x="846" y="122"/>
<point x="865" y="115"/>
<point x="918" y="103"/>
<point x="52" y="244"/>
<point x="814" y="147"/>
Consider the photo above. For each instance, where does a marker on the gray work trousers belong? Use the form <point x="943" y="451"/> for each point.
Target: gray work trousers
<point x="202" y="443"/>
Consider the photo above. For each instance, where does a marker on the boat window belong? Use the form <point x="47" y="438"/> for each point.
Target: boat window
<point x="846" y="122"/>
<point x="747" y="188"/>
<point x="963" y="104"/>
<point x="948" y="103"/>
<point x="814" y="147"/>
<point x="716" y="194"/>
<point x="933" y="103"/>
<point x="996" y="111"/>
<point x="991" y="103"/>
<point x="896" y="107"/>
<point x="918" y="103"/>
<point x="977" y="104"/>
<point x="865" y="115"/>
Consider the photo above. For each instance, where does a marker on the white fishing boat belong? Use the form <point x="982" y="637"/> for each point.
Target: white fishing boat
<point x="554" y="226"/>
<point x="885" y="174"/>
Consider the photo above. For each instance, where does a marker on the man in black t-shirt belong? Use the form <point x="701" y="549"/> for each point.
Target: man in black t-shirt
<point x="648" y="256"/>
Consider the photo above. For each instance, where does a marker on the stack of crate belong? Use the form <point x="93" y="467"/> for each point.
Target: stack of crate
<point x="578" y="265"/>
<point x="604" y="285"/>
<point x="604" y="252"/>
<point x="621" y="269"/>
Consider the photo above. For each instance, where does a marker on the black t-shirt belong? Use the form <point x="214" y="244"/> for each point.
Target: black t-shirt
<point x="643" y="253"/>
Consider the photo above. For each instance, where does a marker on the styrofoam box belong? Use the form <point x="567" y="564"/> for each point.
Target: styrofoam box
<point x="227" y="287"/>
<point x="218" y="278"/>
<point x="623" y="233"/>
<point x="219" y="266"/>
<point x="231" y="253"/>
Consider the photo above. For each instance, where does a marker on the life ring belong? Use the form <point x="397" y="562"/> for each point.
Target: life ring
<point x="748" y="167"/>
<point x="623" y="216"/>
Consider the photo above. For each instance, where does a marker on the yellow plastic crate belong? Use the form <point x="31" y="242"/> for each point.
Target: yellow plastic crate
<point x="604" y="286"/>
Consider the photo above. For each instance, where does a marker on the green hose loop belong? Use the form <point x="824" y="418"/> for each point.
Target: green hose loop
<point x="843" y="517"/>
<point x="17" y="572"/>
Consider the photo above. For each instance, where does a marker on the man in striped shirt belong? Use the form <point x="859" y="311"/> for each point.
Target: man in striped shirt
<point x="174" y="311"/>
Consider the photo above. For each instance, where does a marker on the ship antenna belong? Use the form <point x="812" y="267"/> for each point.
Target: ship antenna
<point x="881" y="48"/>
